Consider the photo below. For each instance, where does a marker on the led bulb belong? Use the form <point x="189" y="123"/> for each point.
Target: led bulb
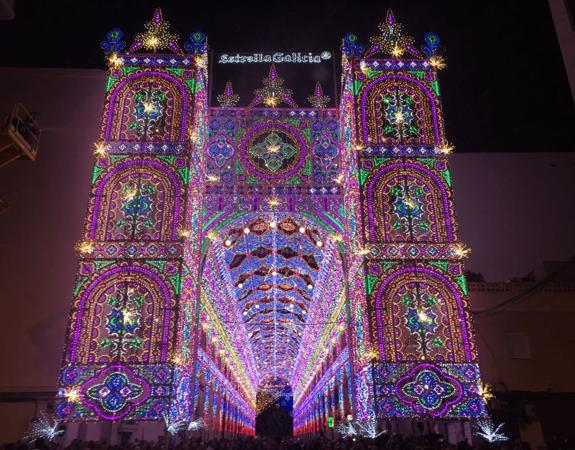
<point x="273" y="224"/>
<point x="302" y="230"/>
<point x="319" y="243"/>
<point x="228" y="243"/>
<point x="246" y="230"/>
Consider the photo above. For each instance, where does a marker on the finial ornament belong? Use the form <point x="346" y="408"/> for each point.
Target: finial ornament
<point x="318" y="100"/>
<point x="197" y="43"/>
<point x="273" y="93"/>
<point x="113" y="42"/>
<point x="157" y="36"/>
<point x="350" y="46"/>
<point x="391" y="40"/>
<point x="228" y="99"/>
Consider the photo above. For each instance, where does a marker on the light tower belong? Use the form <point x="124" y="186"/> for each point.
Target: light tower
<point x="130" y="333"/>
<point x="414" y="351"/>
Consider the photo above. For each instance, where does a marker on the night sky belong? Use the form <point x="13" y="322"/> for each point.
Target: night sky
<point x="504" y="90"/>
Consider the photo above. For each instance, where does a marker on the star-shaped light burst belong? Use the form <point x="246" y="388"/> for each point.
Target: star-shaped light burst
<point x="346" y="429"/>
<point x="485" y="392"/>
<point x="318" y="100"/>
<point x="228" y="99"/>
<point x="488" y="431"/>
<point x="157" y="36"/>
<point x="391" y="40"/>
<point x="173" y="426"/>
<point x="195" y="425"/>
<point x="44" y="428"/>
<point x="273" y="93"/>
<point x="368" y="428"/>
<point x="85" y="247"/>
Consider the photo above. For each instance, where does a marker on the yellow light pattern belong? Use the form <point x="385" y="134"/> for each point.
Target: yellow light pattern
<point x="85" y="247"/>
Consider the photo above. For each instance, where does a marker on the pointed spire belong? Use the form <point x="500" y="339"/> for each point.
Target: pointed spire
<point x="318" y="100"/>
<point x="273" y="73"/>
<point x="158" y="16"/>
<point x="389" y="17"/>
<point x="228" y="99"/>
<point x="157" y="36"/>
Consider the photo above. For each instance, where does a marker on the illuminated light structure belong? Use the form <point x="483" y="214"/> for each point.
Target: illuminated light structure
<point x="132" y="348"/>
<point x="414" y="348"/>
<point x="229" y="251"/>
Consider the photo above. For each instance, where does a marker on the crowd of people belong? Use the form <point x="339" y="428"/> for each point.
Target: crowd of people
<point x="384" y="442"/>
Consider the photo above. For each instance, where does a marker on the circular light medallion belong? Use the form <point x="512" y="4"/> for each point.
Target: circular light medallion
<point x="273" y="151"/>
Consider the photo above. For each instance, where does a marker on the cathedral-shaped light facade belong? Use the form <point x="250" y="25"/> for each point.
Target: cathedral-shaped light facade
<point x="232" y="249"/>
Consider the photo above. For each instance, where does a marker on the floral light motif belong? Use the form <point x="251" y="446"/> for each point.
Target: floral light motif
<point x="123" y="321"/>
<point x="431" y="44"/>
<point x="420" y="320"/>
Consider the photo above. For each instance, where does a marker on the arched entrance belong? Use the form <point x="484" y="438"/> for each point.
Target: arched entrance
<point x="272" y="317"/>
<point x="274" y="409"/>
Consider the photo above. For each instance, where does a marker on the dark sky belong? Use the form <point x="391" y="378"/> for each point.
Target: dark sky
<point x="504" y="90"/>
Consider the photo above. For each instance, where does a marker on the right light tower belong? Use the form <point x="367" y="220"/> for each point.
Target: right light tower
<point x="414" y="349"/>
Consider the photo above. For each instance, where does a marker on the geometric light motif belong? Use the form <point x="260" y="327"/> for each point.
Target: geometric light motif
<point x="428" y="390"/>
<point x="273" y="150"/>
<point x="398" y="114"/>
<point x="114" y="392"/>
<point x="326" y="151"/>
<point x="220" y="150"/>
<point x="149" y="113"/>
<point x="420" y="321"/>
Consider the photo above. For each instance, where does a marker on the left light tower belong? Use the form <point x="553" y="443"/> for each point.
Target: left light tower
<point x="130" y="341"/>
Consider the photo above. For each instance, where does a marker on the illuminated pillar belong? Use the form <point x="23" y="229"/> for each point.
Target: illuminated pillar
<point x="415" y="286"/>
<point x="131" y="323"/>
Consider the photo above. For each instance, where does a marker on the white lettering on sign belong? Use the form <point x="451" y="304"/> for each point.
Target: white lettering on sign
<point x="278" y="57"/>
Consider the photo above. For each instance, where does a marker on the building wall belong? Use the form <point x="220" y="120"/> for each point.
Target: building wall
<point x="47" y="204"/>
<point x="526" y="354"/>
<point x="564" y="21"/>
